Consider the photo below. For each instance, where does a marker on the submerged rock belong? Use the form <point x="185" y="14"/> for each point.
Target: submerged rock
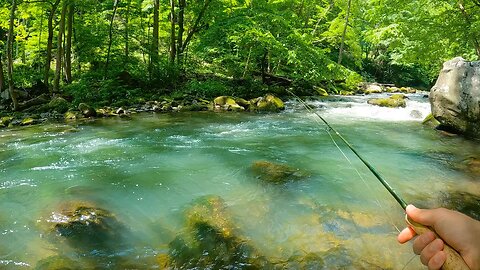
<point x="58" y="263"/>
<point x="463" y="202"/>
<point x="394" y="101"/>
<point x="276" y="173"/>
<point x="455" y="98"/>
<point x="211" y="241"/>
<point x="86" y="227"/>
<point x="472" y="165"/>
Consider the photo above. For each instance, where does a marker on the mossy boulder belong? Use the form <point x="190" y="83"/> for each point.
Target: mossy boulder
<point x="5" y="121"/>
<point x="392" y="89"/>
<point x="28" y="121"/>
<point x="463" y="202"/>
<point x="58" y="263"/>
<point x="211" y="241"/>
<point x="408" y="90"/>
<point x="372" y="88"/>
<point x="58" y="104"/>
<point x="86" y="227"/>
<point x="72" y="115"/>
<point x="243" y="102"/>
<point x="320" y="91"/>
<point x="276" y="173"/>
<point x="268" y="103"/>
<point x="225" y="103"/>
<point x="394" y="101"/>
<point x="87" y="110"/>
<point x="430" y="120"/>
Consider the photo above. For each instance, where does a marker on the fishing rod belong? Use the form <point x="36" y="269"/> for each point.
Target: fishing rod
<point x="454" y="260"/>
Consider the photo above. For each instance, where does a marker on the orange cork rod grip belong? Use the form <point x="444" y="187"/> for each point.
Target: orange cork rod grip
<point x="454" y="260"/>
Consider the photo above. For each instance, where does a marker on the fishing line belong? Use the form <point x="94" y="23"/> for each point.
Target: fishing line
<point x="330" y="128"/>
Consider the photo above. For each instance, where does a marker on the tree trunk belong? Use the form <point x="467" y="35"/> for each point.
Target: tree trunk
<point x="2" y="78"/>
<point x="154" y="49"/>
<point x="344" y="33"/>
<point x="11" y="37"/>
<point x="127" y="29"/>
<point x="110" y="35"/>
<point x="59" y="60"/>
<point x="181" y="29"/>
<point x="50" y="42"/>
<point x="473" y="36"/>
<point x="68" y="46"/>
<point x="173" y="48"/>
<point x="196" y="26"/>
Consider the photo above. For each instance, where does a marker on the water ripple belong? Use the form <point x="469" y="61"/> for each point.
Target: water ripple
<point x="18" y="183"/>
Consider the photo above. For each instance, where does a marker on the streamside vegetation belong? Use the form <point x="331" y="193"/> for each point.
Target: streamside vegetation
<point x="114" y="52"/>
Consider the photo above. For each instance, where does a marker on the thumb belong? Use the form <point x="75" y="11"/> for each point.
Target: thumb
<point x="422" y="216"/>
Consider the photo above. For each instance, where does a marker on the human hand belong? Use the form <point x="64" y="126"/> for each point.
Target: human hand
<point x="459" y="231"/>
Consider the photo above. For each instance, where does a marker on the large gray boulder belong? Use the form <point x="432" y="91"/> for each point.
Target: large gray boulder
<point x="455" y="98"/>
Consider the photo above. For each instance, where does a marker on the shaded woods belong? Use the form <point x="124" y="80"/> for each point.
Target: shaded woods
<point x="98" y="50"/>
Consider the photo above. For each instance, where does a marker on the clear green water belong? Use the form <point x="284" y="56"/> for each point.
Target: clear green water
<point x="147" y="170"/>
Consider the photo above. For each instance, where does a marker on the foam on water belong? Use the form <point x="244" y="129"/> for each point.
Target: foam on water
<point x="354" y="108"/>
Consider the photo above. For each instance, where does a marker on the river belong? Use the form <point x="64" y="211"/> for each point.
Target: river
<point x="148" y="171"/>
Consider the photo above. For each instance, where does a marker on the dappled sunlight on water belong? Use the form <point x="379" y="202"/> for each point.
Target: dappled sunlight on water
<point x="147" y="172"/>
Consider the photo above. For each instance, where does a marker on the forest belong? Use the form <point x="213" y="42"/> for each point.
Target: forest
<point x="103" y="51"/>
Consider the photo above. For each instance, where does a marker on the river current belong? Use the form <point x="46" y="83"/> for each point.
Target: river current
<point x="148" y="170"/>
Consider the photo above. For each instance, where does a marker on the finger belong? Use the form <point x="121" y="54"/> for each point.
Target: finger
<point x="422" y="241"/>
<point x="422" y="216"/>
<point x="430" y="250"/>
<point x="437" y="261"/>
<point x="405" y="235"/>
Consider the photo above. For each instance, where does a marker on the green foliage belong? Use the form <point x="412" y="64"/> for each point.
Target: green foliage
<point x="401" y="42"/>
<point x="208" y="88"/>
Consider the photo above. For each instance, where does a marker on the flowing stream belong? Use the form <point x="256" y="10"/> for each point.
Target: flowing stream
<point x="148" y="170"/>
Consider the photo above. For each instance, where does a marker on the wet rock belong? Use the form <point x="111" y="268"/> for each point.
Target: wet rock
<point x="87" y="110"/>
<point x="268" y="103"/>
<point x="309" y="261"/>
<point x="408" y="90"/>
<point x="276" y="173"/>
<point x="416" y="114"/>
<point x="58" y="263"/>
<point x="320" y="91"/>
<point x="372" y="88"/>
<point x="28" y="121"/>
<point x="5" y="121"/>
<point x="455" y="98"/>
<point x="72" y="115"/>
<point x="211" y="241"/>
<point x="394" y="101"/>
<point x="431" y="121"/>
<point x="196" y="106"/>
<point x="243" y="102"/>
<point x="392" y="89"/>
<point x="225" y="103"/>
<point x="346" y="93"/>
<point x="86" y="227"/>
<point x="463" y="202"/>
<point x="120" y="111"/>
